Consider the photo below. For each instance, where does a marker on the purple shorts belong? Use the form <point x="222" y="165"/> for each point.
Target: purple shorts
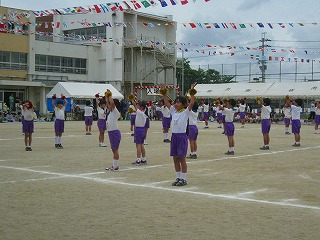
<point x="206" y="115"/>
<point x="27" y="126"/>
<point x="229" y="128"/>
<point x="88" y="120"/>
<point x="115" y="138"/>
<point x="133" y="119"/>
<point x="242" y="115"/>
<point x="193" y="132"/>
<point x="286" y="121"/>
<point x="166" y="122"/>
<point x="139" y="135"/>
<point x="147" y="125"/>
<point x="219" y="116"/>
<point x="159" y="114"/>
<point x="102" y="124"/>
<point x="179" y="145"/>
<point x="317" y="119"/>
<point x="296" y="125"/>
<point x="265" y="125"/>
<point x="59" y="126"/>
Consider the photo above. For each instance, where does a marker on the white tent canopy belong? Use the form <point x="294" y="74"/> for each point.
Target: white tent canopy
<point x="83" y="90"/>
<point x="305" y="90"/>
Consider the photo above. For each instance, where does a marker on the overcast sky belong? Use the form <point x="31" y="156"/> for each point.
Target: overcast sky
<point x="228" y="11"/>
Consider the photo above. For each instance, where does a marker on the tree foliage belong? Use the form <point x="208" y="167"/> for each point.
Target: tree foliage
<point x="201" y="76"/>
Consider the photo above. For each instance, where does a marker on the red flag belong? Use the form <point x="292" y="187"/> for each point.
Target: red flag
<point x="233" y="25"/>
<point x="192" y="25"/>
<point x="183" y="2"/>
<point x="98" y="10"/>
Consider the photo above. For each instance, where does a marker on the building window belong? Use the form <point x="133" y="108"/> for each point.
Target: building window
<point x="57" y="64"/>
<point x="13" y="60"/>
<point x="85" y="34"/>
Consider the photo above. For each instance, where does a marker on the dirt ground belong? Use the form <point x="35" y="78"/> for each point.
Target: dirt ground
<point x="66" y="194"/>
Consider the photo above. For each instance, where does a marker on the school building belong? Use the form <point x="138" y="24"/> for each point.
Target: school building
<point x="123" y="48"/>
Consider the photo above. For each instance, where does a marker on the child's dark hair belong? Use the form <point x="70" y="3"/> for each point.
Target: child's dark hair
<point x="142" y="104"/>
<point x="195" y="107"/>
<point x="242" y="101"/>
<point x="267" y="101"/>
<point x="102" y="101"/>
<point x="88" y="102"/>
<point x="181" y="100"/>
<point x="116" y="103"/>
<point x="299" y="102"/>
<point x="232" y="102"/>
<point x="59" y="102"/>
<point x="206" y="102"/>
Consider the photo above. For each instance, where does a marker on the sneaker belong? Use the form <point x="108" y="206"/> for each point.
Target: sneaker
<point x="132" y="134"/>
<point x="242" y="126"/>
<point x="60" y="146"/>
<point x="206" y="127"/>
<point x="194" y="156"/>
<point x="166" y="140"/>
<point x="229" y="153"/>
<point x="264" y="148"/>
<point x="137" y="162"/>
<point x="181" y="182"/>
<point x="296" y="145"/>
<point x="176" y="182"/>
<point x="30" y="149"/>
<point x="56" y="145"/>
<point x="223" y="132"/>
<point x="103" y="145"/>
<point x="113" y="169"/>
<point x="144" y="162"/>
<point x="219" y="127"/>
<point x="87" y="133"/>
<point x="145" y="143"/>
<point x="287" y="133"/>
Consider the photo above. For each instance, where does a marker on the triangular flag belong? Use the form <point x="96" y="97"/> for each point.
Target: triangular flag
<point x="183" y="2"/>
<point x="163" y="3"/>
<point x="145" y="3"/>
<point x="192" y="25"/>
<point x="242" y="25"/>
<point x="207" y="25"/>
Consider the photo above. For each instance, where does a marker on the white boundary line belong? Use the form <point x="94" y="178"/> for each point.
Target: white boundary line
<point x="173" y="189"/>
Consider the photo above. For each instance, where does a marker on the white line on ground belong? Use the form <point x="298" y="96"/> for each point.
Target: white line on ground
<point x="173" y="189"/>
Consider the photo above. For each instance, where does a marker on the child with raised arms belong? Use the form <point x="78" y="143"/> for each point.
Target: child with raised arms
<point x="180" y="113"/>
<point x="113" y="129"/>
<point x="139" y="130"/>
<point x="229" y="126"/>
<point x="242" y="112"/>
<point x="59" y="110"/>
<point x="27" y="123"/>
<point x="286" y="111"/>
<point x="132" y="111"/>
<point x="166" y="121"/>
<point x="296" y="122"/>
<point x="102" y="113"/>
<point x="265" y="121"/>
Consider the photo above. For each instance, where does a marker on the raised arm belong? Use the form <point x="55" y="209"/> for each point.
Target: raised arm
<point x="53" y="99"/>
<point x="65" y="100"/>
<point x="110" y="101"/>
<point x="192" y="92"/>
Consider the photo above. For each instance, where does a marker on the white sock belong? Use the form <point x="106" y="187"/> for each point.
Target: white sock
<point x="297" y="142"/>
<point x="59" y="140"/>
<point x="286" y="129"/>
<point x="165" y="136"/>
<point x="115" y="163"/>
<point x="178" y="174"/>
<point x="232" y="149"/>
<point x="56" y="140"/>
<point x="183" y="176"/>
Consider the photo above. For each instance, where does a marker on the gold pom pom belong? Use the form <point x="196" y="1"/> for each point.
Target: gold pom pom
<point x="287" y="98"/>
<point x="130" y="110"/>
<point x="217" y="102"/>
<point x="131" y="97"/>
<point x="225" y="100"/>
<point x="164" y="91"/>
<point x="258" y="99"/>
<point x="188" y="98"/>
<point x="108" y="93"/>
<point x="192" y="91"/>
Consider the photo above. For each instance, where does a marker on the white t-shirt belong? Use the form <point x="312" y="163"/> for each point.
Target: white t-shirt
<point x="101" y="113"/>
<point x="59" y="113"/>
<point x="287" y="112"/>
<point x="242" y="108"/>
<point x="229" y="114"/>
<point x="165" y="112"/>
<point x="265" y="112"/>
<point x="112" y="121"/>
<point x="205" y="108"/>
<point x="312" y="107"/>
<point x="317" y="111"/>
<point x="179" y="120"/>
<point x="193" y="118"/>
<point x="88" y="111"/>
<point x="133" y="109"/>
<point x="295" y="112"/>
<point x="141" y="119"/>
<point x="27" y="113"/>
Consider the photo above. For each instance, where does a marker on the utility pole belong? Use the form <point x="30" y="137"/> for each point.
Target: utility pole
<point x="182" y="72"/>
<point x="263" y="61"/>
